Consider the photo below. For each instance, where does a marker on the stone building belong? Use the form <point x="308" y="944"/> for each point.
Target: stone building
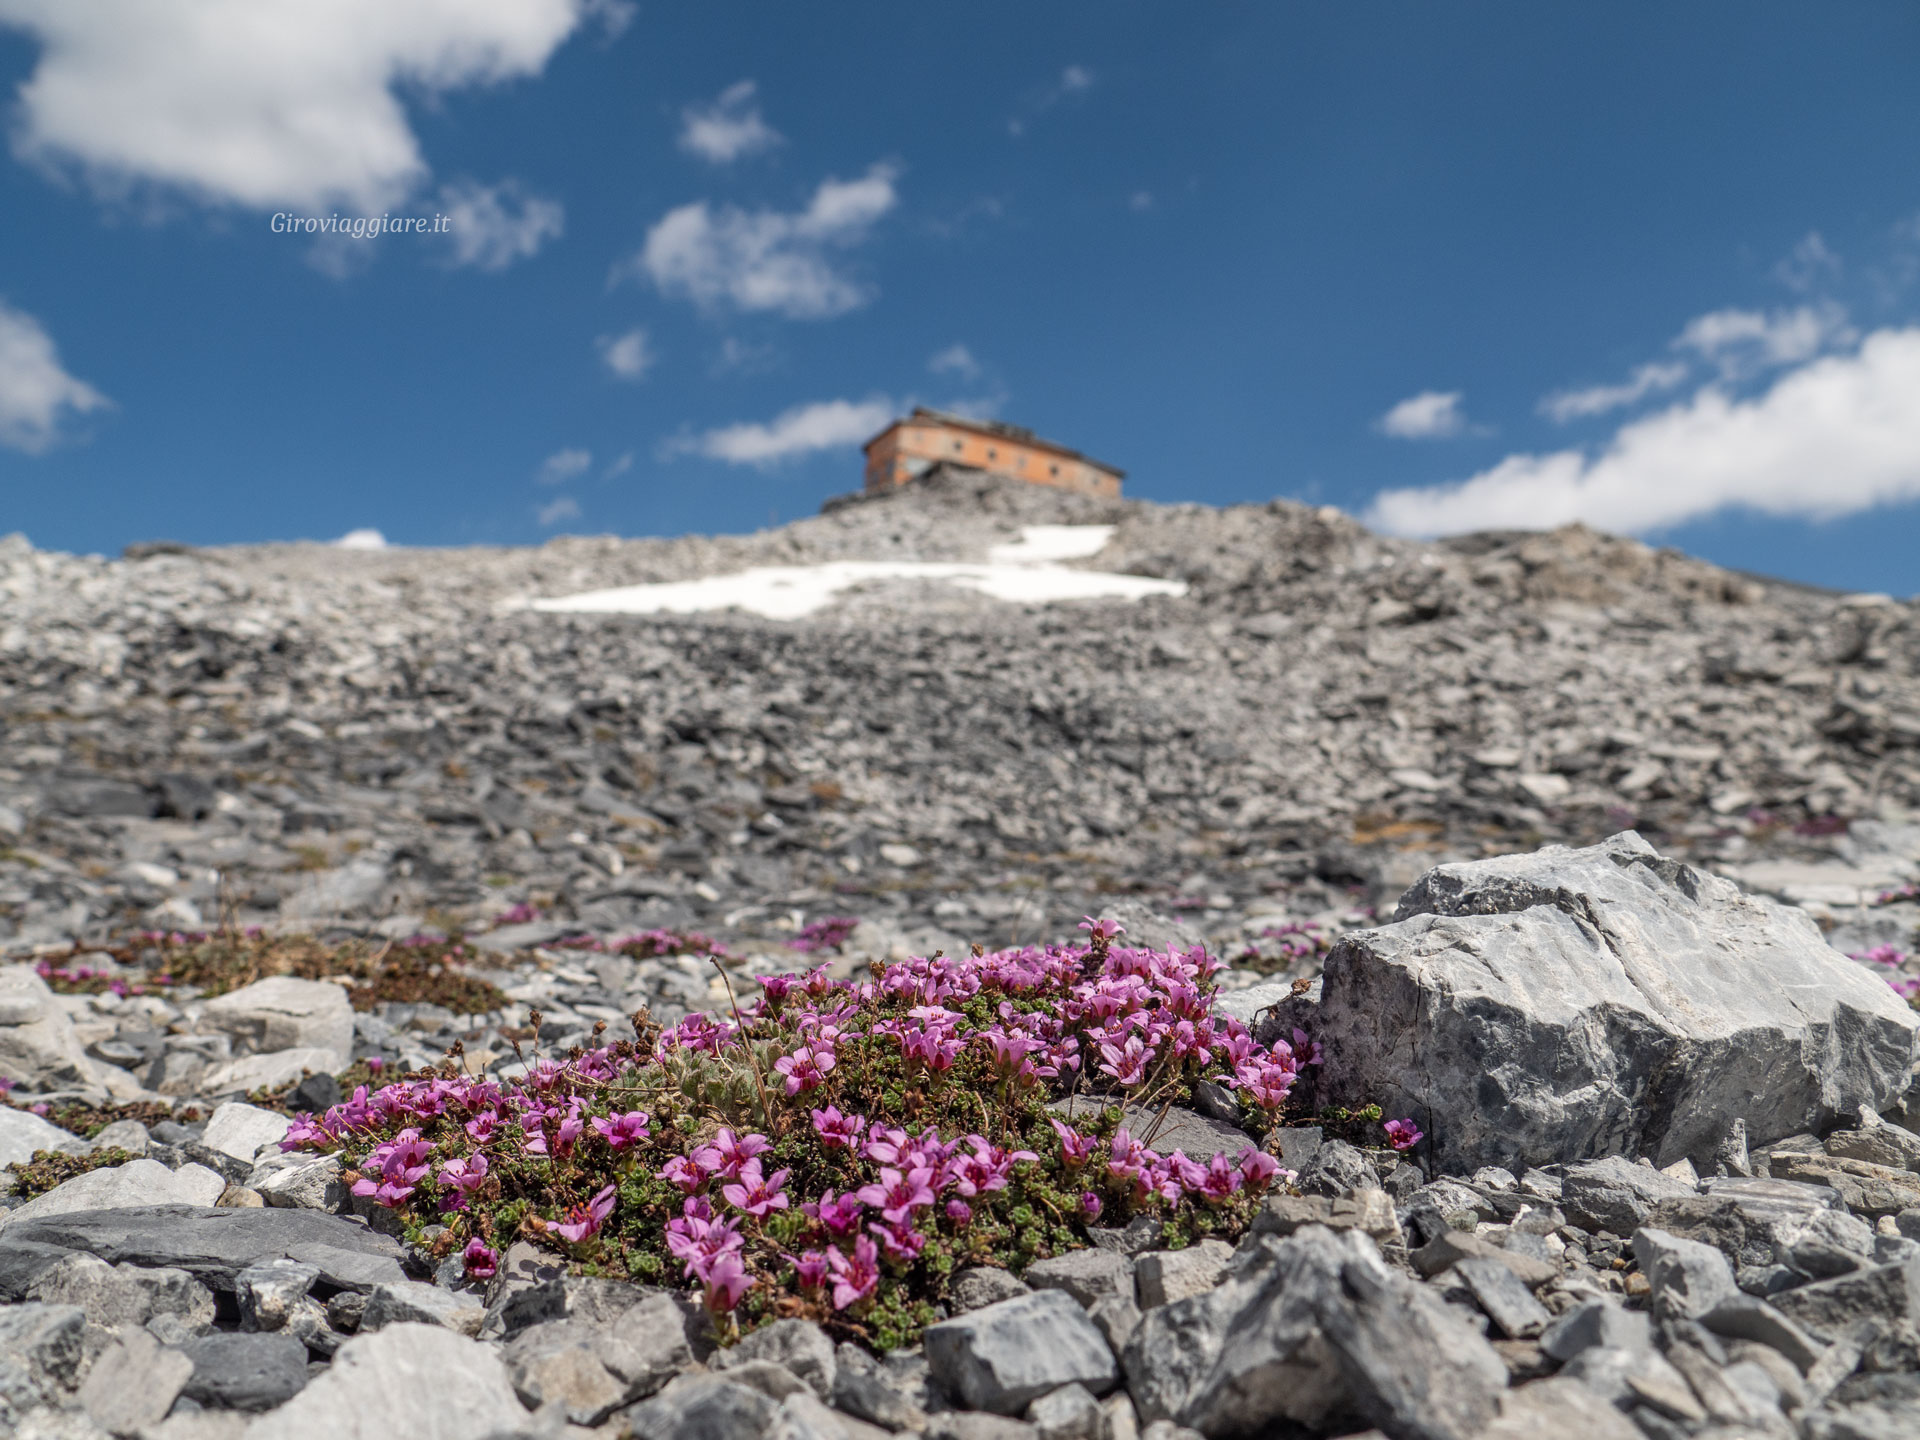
<point x="909" y="448"/>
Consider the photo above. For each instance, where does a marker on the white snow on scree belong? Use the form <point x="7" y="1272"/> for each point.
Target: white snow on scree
<point x="1026" y="571"/>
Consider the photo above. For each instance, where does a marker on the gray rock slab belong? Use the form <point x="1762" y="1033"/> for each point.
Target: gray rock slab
<point x="284" y="1013"/>
<point x="982" y="1285"/>
<point x="1634" y="1003"/>
<point x="400" y="1302"/>
<point x="702" y="1407"/>
<point x="133" y="1185"/>
<point x="22" y="1132"/>
<point x="1558" y="1409"/>
<point x="1003" y="1357"/>
<point x="865" y="1388"/>
<point x="38" y="1047"/>
<point x="407" y="1382"/>
<point x="1311" y="1330"/>
<point x="1827" y="1309"/>
<point x="1615" y="1194"/>
<point x="134" y="1383"/>
<point x="1596" y="1324"/>
<point x="1088" y="1276"/>
<point x="1163" y="1276"/>
<point x="212" y="1245"/>
<point x="1507" y="1302"/>
<point x="1747" y="1317"/>
<point x="110" y="1296"/>
<point x="243" y="1130"/>
<point x="244" y="1371"/>
<point x="269" y="1071"/>
<point x="799" y="1346"/>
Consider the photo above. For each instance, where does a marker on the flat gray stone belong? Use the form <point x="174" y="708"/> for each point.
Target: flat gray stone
<point x="401" y="1302"/>
<point x="701" y="1407"/>
<point x="1558" y="1409"/>
<point x="1003" y="1357"/>
<point x="983" y="1285"/>
<point x="136" y="1184"/>
<point x="1747" y="1317"/>
<point x="1163" y="1276"/>
<point x="212" y="1245"/>
<point x="407" y="1382"/>
<point x="1634" y="1002"/>
<point x="134" y="1383"/>
<point x="243" y="1130"/>
<point x="1505" y="1300"/>
<point x="798" y="1346"/>
<point x="245" y="1371"/>
<point x="269" y="1071"/>
<point x="38" y="1047"/>
<point x="1087" y="1275"/>
<point x="22" y="1132"/>
<point x="1596" y="1324"/>
<point x="284" y="1013"/>
<point x="1827" y="1309"/>
<point x="1615" y="1194"/>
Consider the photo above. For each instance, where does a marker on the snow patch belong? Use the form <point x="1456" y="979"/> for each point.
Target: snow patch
<point x="1023" y="572"/>
<point x="362" y="540"/>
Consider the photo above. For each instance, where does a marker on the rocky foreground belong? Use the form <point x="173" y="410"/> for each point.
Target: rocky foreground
<point x="281" y="821"/>
<point x="1667" y="1187"/>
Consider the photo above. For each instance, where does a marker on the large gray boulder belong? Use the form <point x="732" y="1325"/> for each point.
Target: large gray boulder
<point x="1574" y="1003"/>
<point x="135" y="1184"/>
<point x="22" y="1132"/>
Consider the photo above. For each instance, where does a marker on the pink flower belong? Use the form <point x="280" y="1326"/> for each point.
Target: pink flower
<point x="1307" y="1050"/>
<point x="1403" y="1134"/>
<point x="1099" y="931"/>
<point x="622" y="1131"/>
<point x="809" y="1269"/>
<point x="1258" y="1167"/>
<point x="755" y="1194"/>
<point x="729" y="1153"/>
<point x="854" y="1279"/>
<point x="1126" y="1063"/>
<point x="1075" y="1148"/>
<point x="464" y="1176"/>
<point x="726" y="1280"/>
<point x="987" y="1168"/>
<point x="806" y="1068"/>
<point x="1090" y="1203"/>
<point x="837" y="1131"/>
<point x="839" y="1213"/>
<point x="480" y="1259"/>
<point x="959" y="1212"/>
<point x="685" y="1171"/>
<point x="903" y="1242"/>
<point x="898" y="1195"/>
<point x="583" y="1222"/>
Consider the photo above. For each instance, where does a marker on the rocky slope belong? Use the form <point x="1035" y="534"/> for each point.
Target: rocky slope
<point x="301" y="735"/>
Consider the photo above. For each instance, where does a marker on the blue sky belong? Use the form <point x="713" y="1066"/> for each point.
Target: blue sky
<point x="1446" y="267"/>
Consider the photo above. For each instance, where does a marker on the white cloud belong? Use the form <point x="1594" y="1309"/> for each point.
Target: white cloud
<point x="1140" y="200"/>
<point x="1075" y="78"/>
<point x="1837" y="435"/>
<point x="629" y="356"/>
<point x="745" y="357"/>
<point x="564" y="507"/>
<point x="728" y="128"/>
<point x="824" y="425"/>
<point x="1810" y="263"/>
<point x="368" y="539"/>
<point x="769" y="259"/>
<point x="37" y="395"/>
<point x="1430" y="415"/>
<point x="1745" y="342"/>
<point x="1565" y="405"/>
<point x="619" y="467"/>
<point x="264" y="105"/>
<point x="955" y="360"/>
<point x="494" y="225"/>
<point x="563" y="465"/>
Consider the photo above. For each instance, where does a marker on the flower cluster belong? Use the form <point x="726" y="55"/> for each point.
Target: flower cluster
<point x="838" y="1149"/>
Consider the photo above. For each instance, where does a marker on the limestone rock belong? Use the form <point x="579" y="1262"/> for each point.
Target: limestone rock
<point x="134" y="1383"/>
<point x="38" y="1047"/>
<point x="242" y="1130"/>
<point x="136" y="1184"/>
<point x="1003" y="1357"/>
<point x="406" y="1382"/>
<point x="284" y="1013"/>
<point x="22" y="1132"/>
<point x="1633" y="1002"/>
